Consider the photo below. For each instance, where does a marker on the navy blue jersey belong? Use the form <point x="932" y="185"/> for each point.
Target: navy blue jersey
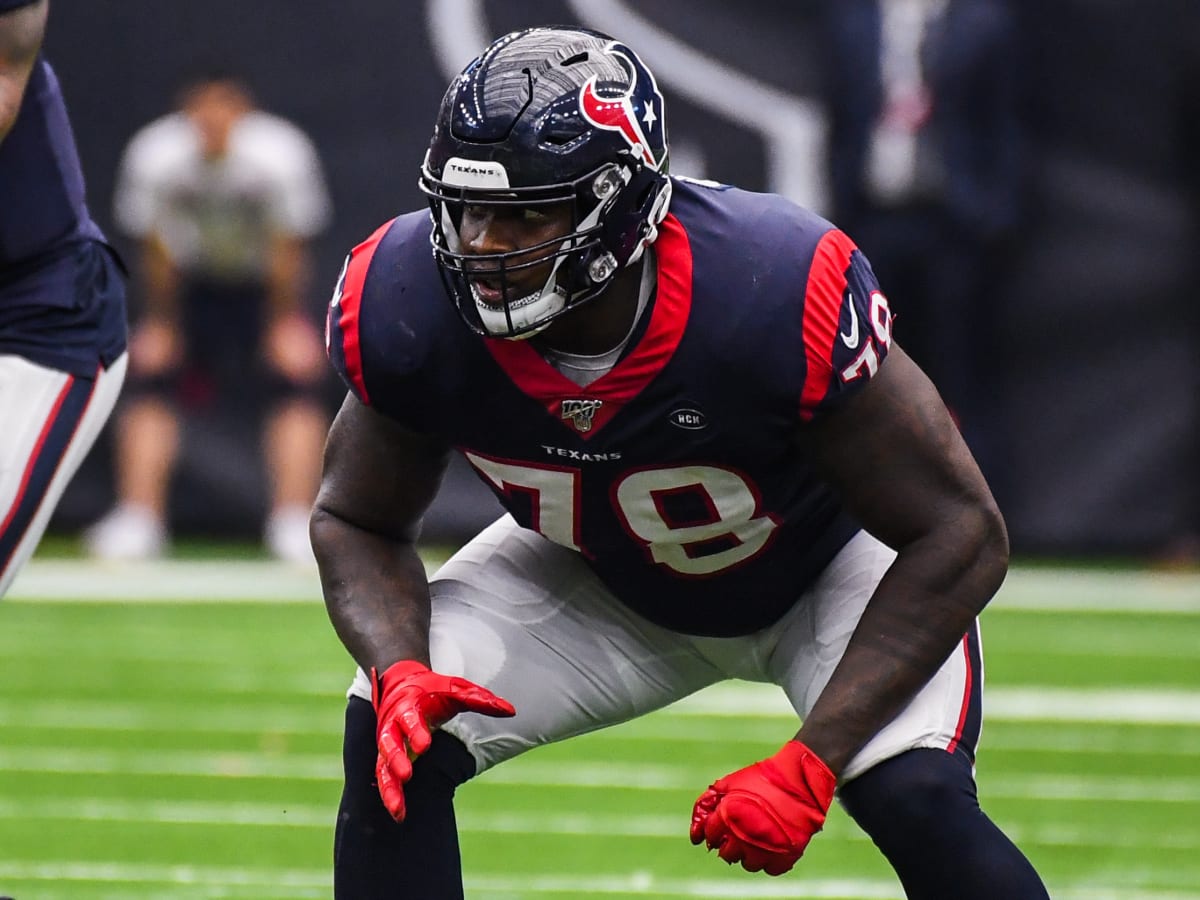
<point x="61" y="290"/>
<point x="678" y="474"/>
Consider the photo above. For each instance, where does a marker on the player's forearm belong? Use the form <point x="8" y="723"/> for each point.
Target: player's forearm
<point x="376" y="591"/>
<point x="287" y="275"/>
<point x="920" y="611"/>
<point x="160" y="280"/>
<point x="21" y="33"/>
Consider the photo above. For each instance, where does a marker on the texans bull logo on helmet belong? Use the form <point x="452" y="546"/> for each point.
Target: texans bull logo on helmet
<point x="619" y="114"/>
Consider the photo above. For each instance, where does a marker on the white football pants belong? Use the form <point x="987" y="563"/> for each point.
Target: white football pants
<point x="528" y="620"/>
<point x="51" y="419"/>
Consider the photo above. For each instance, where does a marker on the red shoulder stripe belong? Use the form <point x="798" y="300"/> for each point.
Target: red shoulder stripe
<point x="822" y="309"/>
<point x="349" y="302"/>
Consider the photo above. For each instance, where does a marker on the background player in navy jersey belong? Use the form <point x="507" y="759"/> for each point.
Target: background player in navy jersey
<point x="62" y="295"/>
<point x="716" y="464"/>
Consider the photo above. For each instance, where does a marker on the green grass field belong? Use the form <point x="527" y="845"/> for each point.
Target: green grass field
<point x="173" y="731"/>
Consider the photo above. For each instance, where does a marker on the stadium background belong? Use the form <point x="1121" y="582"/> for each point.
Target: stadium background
<point x="1098" y="393"/>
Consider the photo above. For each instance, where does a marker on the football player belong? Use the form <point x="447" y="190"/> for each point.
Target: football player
<point x="62" y="295"/>
<point x="716" y="463"/>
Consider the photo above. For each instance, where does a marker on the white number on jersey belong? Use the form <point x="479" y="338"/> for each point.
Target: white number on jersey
<point x="733" y="520"/>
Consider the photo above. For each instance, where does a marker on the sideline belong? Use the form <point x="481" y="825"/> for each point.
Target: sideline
<point x="175" y="881"/>
<point x="1032" y="589"/>
<point x="188" y="581"/>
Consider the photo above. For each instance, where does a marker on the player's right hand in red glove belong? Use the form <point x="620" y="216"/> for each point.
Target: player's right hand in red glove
<point x="764" y="815"/>
<point x="410" y="701"/>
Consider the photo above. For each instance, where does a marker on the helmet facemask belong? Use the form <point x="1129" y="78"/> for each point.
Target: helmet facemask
<point x="580" y="265"/>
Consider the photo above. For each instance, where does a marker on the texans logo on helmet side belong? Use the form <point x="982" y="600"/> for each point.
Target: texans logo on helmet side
<point x="620" y="113"/>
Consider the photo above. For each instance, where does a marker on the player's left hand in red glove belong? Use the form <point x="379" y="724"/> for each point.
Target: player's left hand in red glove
<point x="410" y="701"/>
<point x="764" y="815"/>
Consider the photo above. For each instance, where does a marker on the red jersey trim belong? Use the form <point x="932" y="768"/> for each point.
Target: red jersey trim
<point x="822" y="310"/>
<point x="349" y="304"/>
<point x="668" y="320"/>
<point x="966" y="700"/>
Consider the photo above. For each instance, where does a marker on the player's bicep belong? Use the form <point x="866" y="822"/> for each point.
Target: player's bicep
<point x="897" y="459"/>
<point x="378" y="476"/>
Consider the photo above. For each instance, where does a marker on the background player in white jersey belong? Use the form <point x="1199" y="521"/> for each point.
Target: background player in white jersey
<point x="62" y="295"/>
<point x="716" y="464"/>
<point x="224" y="200"/>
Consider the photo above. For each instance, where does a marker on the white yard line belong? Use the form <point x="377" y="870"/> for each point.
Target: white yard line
<point x="1040" y="589"/>
<point x="1090" y="738"/>
<point x="595" y="824"/>
<point x="532" y="771"/>
<point x="85" y="581"/>
<point x="1032" y="589"/>
<point x="133" y="873"/>
<point x="645" y="884"/>
<point x="276" y="883"/>
<point x="1032" y="703"/>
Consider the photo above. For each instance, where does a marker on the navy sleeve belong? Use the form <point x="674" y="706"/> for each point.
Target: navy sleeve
<point x="847" y="324"/>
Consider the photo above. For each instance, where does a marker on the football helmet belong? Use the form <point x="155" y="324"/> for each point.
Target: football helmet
<point x="544" y="117"/>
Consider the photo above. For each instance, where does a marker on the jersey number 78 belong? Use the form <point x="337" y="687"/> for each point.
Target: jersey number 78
<point x="732" y="529"/>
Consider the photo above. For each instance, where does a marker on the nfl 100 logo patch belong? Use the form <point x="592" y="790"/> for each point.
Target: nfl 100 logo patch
<point x="581" y="413"/>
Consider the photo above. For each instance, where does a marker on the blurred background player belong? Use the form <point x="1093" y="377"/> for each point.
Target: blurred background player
<point x="927" y="162"/>
<point x="62" y="295"/>
<point x="224" y="200"/>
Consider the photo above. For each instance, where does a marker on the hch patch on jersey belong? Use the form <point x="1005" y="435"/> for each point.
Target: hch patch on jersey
<point x="582" y="413"/>
<point x="689" y="418"/>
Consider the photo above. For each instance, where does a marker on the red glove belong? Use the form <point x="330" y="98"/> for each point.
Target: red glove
<point x="764" y="815"/>
<point x="410" y="701"/>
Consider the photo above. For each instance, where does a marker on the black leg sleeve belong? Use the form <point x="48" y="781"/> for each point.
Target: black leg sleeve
<point x="921" y="810"/>
<point x="376" y="858"/>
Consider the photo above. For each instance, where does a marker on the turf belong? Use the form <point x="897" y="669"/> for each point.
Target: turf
<point x="165" y="749"/>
